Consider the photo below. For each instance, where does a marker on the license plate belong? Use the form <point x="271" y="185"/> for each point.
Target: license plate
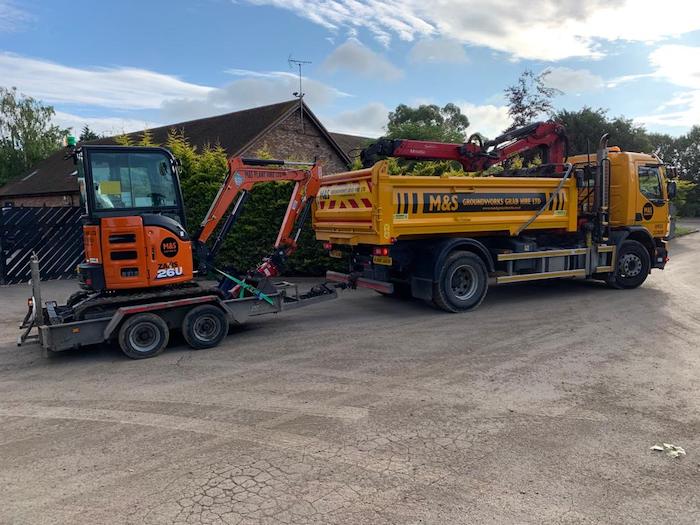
<point x="337" y="254"/>
<point x="382" y="259"/>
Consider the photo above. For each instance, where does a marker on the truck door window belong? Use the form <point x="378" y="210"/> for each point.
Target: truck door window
<point x="650" y="182"/>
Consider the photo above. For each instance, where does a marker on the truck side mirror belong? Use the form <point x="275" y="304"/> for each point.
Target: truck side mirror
<point x="671" y="189"/>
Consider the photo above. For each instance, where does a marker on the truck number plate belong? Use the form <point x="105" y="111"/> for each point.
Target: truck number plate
<point x="382" y="259"/>
<point x="336" y="254"/>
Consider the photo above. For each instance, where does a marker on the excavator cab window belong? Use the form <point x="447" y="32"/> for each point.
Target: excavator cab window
<point x="120" y="181"/>
<point x="132" y="180"/>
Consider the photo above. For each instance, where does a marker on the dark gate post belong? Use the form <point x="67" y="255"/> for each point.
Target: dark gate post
<point x="2" y="249"/>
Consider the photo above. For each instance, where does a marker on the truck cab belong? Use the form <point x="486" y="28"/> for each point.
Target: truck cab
<point x="640" y="191"/>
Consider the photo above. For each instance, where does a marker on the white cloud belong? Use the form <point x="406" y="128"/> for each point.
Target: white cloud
<point x="357" y="58"/>
<point x="254" y="88"/>
<point x="680" y="66"/>
<point x="132" y="89"/>
<point x="487" y="119"/>
<point x="108" y="126"/>
<point x="124" y="88"/>
<point x="540" y="29"/>
<point x="572" y="81"/>
<point x="445" y="50"/>
<point x="367" y="121"/>
<point x="11" y="17"/>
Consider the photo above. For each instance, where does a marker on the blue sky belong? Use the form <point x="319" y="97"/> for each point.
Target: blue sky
<point x="124" y="65"/>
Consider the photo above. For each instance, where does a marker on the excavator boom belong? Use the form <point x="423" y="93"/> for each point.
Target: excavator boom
<point x="243" y="174"/>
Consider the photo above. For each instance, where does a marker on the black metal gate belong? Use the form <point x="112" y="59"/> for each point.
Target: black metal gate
<point x="55" y="234"/>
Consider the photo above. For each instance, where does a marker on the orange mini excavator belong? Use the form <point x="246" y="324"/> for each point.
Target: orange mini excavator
<point x="135" y="232"/>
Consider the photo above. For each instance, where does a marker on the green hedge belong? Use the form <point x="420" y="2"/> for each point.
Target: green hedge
<point x="253" y="236"/>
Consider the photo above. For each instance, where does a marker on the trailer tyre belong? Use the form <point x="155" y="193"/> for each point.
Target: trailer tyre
<point x="632" y="268"/>
<point x="462" y="283"/>
<point x="143" y="335"/>
<point x="204" y="326"/>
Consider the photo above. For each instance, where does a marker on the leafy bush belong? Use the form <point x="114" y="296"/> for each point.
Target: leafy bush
<point x="253" y="236"/>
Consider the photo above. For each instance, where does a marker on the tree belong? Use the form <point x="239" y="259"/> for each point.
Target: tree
<point x="27" y="133"/>
<point x="586" y="126"/>
<point x="87" y="134"/>
<point x="428" y="122"/>
<point x="684" y="153"/>
<point x="529" y="99"/>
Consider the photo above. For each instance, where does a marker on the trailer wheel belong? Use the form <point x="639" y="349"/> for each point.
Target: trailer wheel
<point x="632" y="268"/>
<point x="204" y="326"/>
<point x="143" y="335"/>
<point x="462" y="282"/>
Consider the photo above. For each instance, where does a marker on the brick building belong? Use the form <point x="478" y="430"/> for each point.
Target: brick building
<point x="276" y="128"/>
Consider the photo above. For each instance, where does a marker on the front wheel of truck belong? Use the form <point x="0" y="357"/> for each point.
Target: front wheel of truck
<point x="462" y="283"/>
<point x="633" y="265"/>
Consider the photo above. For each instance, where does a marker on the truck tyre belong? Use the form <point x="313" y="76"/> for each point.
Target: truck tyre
<point x="204" y="326"/>
<point x="143" y="335"/>
<point x="462" y="282"/>
<point x="632" y="268"/>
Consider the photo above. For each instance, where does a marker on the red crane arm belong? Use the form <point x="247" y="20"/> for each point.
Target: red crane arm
<point x="475" y="155"/>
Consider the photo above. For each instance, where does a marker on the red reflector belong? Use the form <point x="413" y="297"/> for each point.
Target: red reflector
<point x="88" y="281"/>
<point x="327" y="246"/>
<point x="382" y="251"/>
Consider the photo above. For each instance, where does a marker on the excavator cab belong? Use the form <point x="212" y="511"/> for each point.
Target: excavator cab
<point x="134" y="225"/>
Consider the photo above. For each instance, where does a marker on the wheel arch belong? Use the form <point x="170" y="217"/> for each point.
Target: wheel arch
<point x="446" y="247"/>
<point x="635" y="233"/>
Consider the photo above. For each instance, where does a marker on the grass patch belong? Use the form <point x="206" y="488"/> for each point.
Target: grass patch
<point x="684" y="230"/>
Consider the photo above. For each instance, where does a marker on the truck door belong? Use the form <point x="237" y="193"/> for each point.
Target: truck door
<point x="652" y="204"/>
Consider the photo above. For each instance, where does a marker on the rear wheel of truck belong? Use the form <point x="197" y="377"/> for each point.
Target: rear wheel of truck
<point x="632" y="268"/>
<point x="143" y="335"/>
<point x="462" y="282"/>
<point x="204" y="326"/>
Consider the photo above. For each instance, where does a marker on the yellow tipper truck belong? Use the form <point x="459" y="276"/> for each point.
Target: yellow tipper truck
<point x="445" y="239"/>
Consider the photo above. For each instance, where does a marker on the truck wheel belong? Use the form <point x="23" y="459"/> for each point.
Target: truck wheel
<point x="204" y="326"/>
<point x="143" y="335"/>
<point x="633" y="265"/>
<point x="462" y="282"/>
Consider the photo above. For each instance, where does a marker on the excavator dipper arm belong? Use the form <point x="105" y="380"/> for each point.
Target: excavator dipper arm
<point x="243" y="174"/>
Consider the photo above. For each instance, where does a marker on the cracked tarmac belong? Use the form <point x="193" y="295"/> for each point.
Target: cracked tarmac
<point x="539" y="407"/>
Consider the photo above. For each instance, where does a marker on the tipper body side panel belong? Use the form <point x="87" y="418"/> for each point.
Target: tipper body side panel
<point x="372" y="207"/>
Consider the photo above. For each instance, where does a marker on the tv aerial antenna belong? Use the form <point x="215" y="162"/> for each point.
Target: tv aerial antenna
<point x="293" y="62"/>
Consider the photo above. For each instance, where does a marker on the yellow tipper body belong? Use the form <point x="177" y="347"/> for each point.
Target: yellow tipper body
<point x="371" y="207"/>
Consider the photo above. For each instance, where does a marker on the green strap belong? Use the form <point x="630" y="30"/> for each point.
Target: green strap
<point x="245" y="286"/>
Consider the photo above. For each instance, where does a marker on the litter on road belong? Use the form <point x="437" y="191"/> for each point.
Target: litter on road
<point x="672" y="450"/>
